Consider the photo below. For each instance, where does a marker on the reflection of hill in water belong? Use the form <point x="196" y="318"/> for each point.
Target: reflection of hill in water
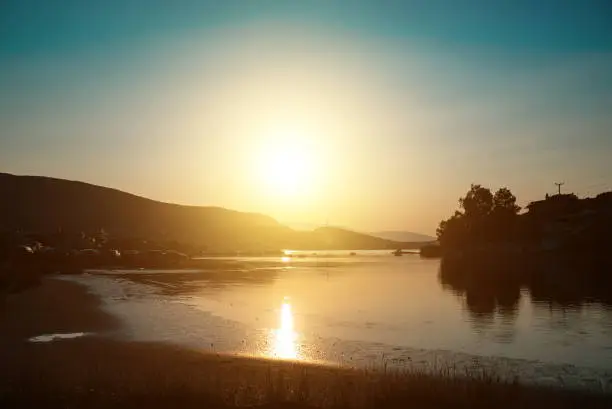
<point x="494" y="294"/>
<point x="571" y="283"/>
<point x="488" y="288"/>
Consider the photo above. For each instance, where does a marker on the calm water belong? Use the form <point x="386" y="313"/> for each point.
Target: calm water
<point x="359" y="310"/>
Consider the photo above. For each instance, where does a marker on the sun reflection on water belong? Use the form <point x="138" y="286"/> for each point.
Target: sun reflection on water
<point x="285" y="337"/>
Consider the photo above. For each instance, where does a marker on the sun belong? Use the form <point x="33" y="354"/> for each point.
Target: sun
<point x="287" y="166"/>
<point x="285" y="169"/>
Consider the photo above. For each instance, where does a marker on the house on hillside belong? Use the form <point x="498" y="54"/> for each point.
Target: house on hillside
<point x="563" y="219"/>
<point x="554" y="206"/>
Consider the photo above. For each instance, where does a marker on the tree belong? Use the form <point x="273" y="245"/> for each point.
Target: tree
<point x="452" y="231"/>
<point x="505" y="202"/>
<point x="485" y="218"/>
<point x="502" y="223"/>
<point x="478" y="202"/>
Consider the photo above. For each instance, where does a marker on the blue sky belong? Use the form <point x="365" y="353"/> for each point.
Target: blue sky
<point x="405" y="102"/>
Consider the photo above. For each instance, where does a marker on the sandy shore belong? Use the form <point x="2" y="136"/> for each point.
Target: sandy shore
<point x="96" y="371"/>
<point x="55" y="306"/>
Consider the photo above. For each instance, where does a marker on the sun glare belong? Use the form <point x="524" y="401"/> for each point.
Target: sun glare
<point x="285" y="337"/>
<point x="287" y="165"/>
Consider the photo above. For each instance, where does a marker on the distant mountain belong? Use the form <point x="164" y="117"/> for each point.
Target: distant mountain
<point x="46" y="205"/>
<point x="403" y="236"/>
<point x="339" y="238"/>
<point x="301" y="226"/>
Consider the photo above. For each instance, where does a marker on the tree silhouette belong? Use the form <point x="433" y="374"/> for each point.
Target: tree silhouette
<point x="502" y="223"/>
<point x="485" y="218"/>
<point x="478" y="202"/>
<point x="451" y="231"/>
<point x="505" y="202"/>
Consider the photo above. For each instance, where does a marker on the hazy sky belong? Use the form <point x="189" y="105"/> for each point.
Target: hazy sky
<point x="374" y="115"/>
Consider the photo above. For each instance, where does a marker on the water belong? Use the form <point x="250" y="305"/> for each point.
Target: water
<point x="55" y="337"/>
<point x="367" y="309"/>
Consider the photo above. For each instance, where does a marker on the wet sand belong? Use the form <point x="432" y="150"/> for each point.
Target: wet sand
<point x="54" y="306"/>
<point x="98" y="371"/>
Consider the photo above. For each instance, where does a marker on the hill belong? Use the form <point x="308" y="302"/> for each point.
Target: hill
<point x="403" y="236"/>
<point x="45" y="205"/>
<point x="339" y="238"/>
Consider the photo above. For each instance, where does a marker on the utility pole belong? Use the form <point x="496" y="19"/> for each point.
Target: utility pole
<point x="559" y="186"/>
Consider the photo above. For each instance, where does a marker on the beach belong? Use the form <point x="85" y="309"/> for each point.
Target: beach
<point x="55" y="306"/>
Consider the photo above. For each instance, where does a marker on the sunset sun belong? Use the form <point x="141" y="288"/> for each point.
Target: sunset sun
<point x="287" y="166"/>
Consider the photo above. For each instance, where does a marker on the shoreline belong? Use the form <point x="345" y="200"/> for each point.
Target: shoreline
<point x="246" y="339"/>
<point x="150" y="314"/>
<point x="95" y="371"/>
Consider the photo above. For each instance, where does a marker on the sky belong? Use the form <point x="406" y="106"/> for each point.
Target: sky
<point x="374" y="115"/>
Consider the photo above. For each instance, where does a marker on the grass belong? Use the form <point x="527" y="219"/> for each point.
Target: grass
<point x="101" y="373"/>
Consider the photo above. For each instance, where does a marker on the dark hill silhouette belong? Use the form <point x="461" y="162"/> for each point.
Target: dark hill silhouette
<point x="44" y="205"/>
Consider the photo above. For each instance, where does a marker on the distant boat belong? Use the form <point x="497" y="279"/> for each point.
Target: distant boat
<point x="398" y="253"/>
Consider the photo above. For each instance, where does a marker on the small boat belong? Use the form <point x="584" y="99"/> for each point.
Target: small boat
<point x="398" y="253"/>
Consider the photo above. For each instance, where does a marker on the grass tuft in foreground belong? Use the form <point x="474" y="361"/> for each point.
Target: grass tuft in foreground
<point x="96" y="373"/>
